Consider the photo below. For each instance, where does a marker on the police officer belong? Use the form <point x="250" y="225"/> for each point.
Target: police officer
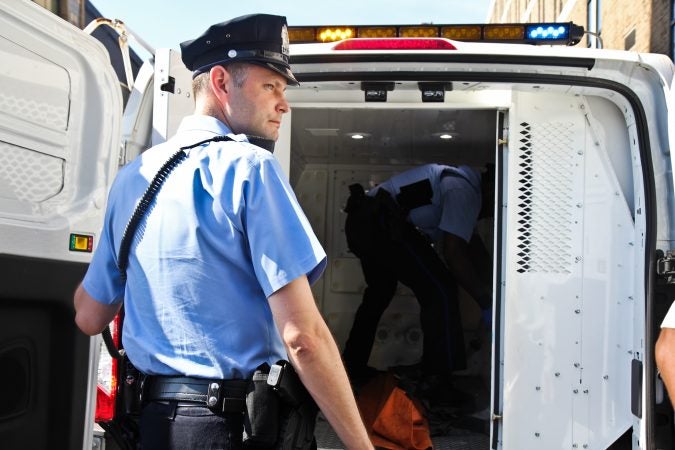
<point x="665" y="352"/>
<point x="219" y="271"/>
<point x="391" y="230"/>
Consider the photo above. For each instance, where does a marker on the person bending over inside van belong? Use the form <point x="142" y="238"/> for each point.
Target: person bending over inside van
<point x="219" y="271"/>
<point x="665" y="352"/>
<point x="391" y="230"/>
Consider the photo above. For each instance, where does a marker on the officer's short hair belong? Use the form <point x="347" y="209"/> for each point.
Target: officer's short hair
<point x="237" y="70"/>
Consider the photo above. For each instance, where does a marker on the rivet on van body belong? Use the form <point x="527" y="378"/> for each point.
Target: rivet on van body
<point x="557" y="374"/>
<point x="577" y="311"/>
<point x="585" y="391"/>
<point x="576" y="391"/>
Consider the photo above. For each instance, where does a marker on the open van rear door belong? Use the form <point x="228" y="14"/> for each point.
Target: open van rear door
<point x="59" y="150"/>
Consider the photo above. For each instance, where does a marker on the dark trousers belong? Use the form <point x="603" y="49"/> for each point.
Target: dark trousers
<point x="165" y="426"/>
<point x="392" y="250"/>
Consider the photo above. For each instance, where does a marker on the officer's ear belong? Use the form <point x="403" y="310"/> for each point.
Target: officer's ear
<point x="219" y="82"/>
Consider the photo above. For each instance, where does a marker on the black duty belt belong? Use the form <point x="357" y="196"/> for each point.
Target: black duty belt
<point x="228" y="396"/>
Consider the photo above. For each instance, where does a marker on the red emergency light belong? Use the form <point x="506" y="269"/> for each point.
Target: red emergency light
<point x="395" y="44"/>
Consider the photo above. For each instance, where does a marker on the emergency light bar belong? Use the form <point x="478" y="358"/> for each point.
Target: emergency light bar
<point x="566" y="33"/>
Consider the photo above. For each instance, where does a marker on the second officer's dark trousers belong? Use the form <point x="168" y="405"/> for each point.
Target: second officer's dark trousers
<point x="392" y="250"/>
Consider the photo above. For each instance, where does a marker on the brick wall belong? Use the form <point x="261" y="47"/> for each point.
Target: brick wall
<point x="644" y="25"/>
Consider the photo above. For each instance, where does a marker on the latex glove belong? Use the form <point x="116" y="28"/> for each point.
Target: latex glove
<point x="486" y="317"/>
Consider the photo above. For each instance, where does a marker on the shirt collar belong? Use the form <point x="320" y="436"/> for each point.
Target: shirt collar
<point x="200" y="125"/>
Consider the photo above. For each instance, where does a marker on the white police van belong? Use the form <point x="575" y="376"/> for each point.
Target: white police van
<point x="581" y="236"/>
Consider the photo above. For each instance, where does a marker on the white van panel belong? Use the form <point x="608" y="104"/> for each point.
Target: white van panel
<point x="55" y="166"/>
<point x="569" y="282"/>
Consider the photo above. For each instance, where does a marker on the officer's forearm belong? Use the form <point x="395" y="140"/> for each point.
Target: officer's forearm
<point x="91" y="316"/>
<point x="665" y="359"/>
<point x="315" y="356"/>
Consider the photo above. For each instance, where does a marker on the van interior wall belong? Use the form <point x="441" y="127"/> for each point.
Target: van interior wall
<point x="44" y="363"/>
<point x="326" y="159"/>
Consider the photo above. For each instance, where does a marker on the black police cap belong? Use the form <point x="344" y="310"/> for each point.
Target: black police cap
<point x="260" y="39"/>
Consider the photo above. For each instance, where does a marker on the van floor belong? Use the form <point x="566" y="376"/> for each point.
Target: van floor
<point x="326" y="439"/>
<point x="458" y="439"/>
<point x="449" y="428"/>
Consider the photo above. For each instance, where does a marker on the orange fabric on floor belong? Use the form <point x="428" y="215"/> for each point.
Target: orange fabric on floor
<point x="393" y="420"/>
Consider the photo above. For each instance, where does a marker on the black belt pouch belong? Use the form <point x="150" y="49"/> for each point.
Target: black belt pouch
<point x="261" y="418"/>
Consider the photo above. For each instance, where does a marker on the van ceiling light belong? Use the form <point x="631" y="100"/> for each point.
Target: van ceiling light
<point x="445" y="135"/>
<point x="323" y="131"/>
<point x="358" y="135"/>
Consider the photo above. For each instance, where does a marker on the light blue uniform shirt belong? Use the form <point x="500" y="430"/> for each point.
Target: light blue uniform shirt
<point x="224" y="233"/>
<point x="455" y="203"/>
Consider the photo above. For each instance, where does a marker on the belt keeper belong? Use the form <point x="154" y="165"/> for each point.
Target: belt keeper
<point x="212" y="395"/>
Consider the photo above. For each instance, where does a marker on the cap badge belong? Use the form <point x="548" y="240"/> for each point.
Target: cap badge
<point x="284" y="40"/>
<point x="232" y="53"/>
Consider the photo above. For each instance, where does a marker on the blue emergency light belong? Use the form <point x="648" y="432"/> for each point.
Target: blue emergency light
<point x="553" y="33"/>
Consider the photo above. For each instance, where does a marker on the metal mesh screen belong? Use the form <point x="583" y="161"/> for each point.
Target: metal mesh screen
<point x="544" y="202"/>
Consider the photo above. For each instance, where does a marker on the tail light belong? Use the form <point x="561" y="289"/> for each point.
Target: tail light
<point x="106" y="388"/>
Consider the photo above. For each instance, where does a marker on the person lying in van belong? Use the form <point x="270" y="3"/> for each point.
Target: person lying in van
<point x="391" y="229"/>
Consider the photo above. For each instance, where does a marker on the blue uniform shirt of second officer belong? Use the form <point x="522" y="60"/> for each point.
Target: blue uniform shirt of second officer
<point x="225" y="228"/>
<point x="454" y="204"/>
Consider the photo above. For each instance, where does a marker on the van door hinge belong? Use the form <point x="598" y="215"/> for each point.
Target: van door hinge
<point x="665" y="265"/>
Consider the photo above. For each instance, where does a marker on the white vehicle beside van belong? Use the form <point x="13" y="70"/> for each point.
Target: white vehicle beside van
<point x="581" y="239"/>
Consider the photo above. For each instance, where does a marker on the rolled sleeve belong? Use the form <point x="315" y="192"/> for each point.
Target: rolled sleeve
<point x="281" y="240"/>
<point x="102" y="280"/>
<point x="669" y="320"/>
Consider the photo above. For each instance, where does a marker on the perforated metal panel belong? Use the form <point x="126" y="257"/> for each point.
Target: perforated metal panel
<point x="49" y="115"/>
<point x="568" y="263"/>
<point x="545" y="205"/>
<point x="27" y="175"/>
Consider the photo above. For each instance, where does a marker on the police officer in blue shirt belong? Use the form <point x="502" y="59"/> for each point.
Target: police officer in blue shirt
<point x="219" y="270"/>
<point x="391" y="229"/>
